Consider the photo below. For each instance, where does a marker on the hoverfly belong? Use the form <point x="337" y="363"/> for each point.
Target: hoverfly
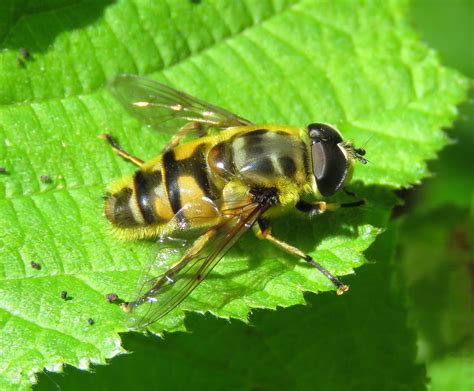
<point x="217" y="186"/>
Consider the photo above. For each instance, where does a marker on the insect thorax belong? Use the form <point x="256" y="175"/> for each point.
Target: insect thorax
<point x="261" y="157"/>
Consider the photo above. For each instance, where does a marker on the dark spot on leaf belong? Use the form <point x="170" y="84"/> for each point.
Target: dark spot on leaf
<point x="35" y="265"/>
<point x="111" y="297"/>
<point x="25" y="53"/>
<point x="46" y="179"/>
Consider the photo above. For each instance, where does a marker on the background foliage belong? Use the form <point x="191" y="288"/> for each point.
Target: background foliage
<point x="54" y="105"/>
<point x="436" y="246"/>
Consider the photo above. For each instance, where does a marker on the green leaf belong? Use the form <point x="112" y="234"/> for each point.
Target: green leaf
<point x="436" y="260"/>
<point x="288" y="62"/>
<point x="322" y="345"/>
<point x="452" y="180"/>
<point x="436" y="238"/>
<point x="436" y="264"/>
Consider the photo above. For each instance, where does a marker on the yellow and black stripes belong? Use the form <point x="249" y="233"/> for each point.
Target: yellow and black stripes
<point x="190" y="171"/>
<point x="145" y="185"/>
<point x="184" y="183"/>
<point x="135" y="205"/>
<point x="172" y="169"/>
<point x="118" y="210"/>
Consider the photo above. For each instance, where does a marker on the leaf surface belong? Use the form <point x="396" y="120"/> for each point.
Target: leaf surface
<point x="289" y="62"/>
<point x="322" y="344"/>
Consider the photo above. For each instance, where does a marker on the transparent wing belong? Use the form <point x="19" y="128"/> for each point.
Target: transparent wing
<point x="159" y="105"/>
<point x="166" y="291"/>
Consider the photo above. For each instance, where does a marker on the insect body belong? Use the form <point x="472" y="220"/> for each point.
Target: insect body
<point x="217" y="186"/>
<point x="215" y="170"/>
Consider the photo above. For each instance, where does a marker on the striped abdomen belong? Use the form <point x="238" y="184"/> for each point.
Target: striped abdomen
<point x="161" y="188"/>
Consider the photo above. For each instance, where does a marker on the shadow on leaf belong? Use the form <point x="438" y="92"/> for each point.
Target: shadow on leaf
<point x="29" y="30"/>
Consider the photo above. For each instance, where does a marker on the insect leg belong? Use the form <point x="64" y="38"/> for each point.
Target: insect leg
<point x="264" y="232"/>
<point x="169" y="277"/>
<point x="317" y="208"/>
<point x="182" y="133"/>
<point x="118" y="149"/>
<point x="349" y="193"/>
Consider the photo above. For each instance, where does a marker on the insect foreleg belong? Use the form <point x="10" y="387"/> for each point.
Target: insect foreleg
<point x="264" y="232"/>
<point x="120" y="151"/>
<point x="317" y="208"/>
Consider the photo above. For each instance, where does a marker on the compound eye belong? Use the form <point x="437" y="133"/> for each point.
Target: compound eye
<point x="319" y="132"/>
<point x="330" y="167"/>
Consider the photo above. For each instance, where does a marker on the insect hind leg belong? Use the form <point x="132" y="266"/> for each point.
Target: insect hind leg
<point x="264" y="232"/>
<point x="183" y="132"/>
<point x="170" y="276"/>
<point x="120" y="151"/>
